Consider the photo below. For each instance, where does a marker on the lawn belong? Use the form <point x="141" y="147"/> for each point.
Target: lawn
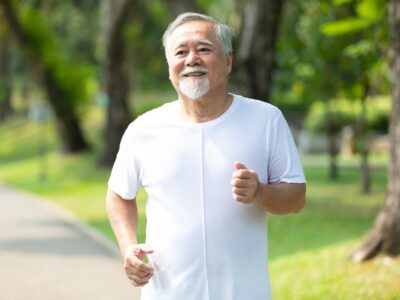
<point x="308" y="252"/>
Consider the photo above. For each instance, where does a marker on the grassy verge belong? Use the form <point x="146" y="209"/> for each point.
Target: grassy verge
<point x="309" y="252"/>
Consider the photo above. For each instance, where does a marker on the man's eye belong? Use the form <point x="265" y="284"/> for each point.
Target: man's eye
<point x="180" y="53"/>
<point x="204" y="50"/>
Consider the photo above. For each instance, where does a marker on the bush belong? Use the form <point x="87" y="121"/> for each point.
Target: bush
<point x="346" y="113"/>
<point x="321" y="120"/>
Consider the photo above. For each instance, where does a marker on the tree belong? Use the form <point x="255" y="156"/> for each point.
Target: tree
<point x="384" y="236"/>
<point x="44" y="61"/>
<point x="115" y="77"/>
<point x="364" y="23"/>
<point x="176" y="7"/>
<point x="311" y="67"/>
<point x="5" y="76"/>
<point x="254" y="61"/>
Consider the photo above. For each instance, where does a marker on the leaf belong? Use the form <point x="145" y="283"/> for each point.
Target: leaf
<point x="345" y="26"/>
<point x="360" y="48"/>
<point x="371" y="10"/>
<point x="341" y="2"/>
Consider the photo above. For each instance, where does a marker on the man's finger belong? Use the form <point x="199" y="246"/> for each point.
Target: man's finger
<point x="138" y="279"/>
<point x="140" y="266"/>
<point x="142" y="250"/>
<point x="236" y="182"/>
<point x="242" y="199"/>
<point x="133" y="262"/>
<point x="137" y="272"/>
<point x="137" y="284"/>
<point x="240" y="191"/>
<point x="242" y="174"/>
<point x="145" y="249"/>
<point x="239" y="166"/>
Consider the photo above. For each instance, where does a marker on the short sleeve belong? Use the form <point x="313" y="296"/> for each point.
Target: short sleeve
<point x="283" y="162"/>
<point x="125" y="175"/>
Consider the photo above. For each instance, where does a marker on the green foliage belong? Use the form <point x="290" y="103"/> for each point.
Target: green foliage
<point x="378" y="122"/>
<point x="310" y="66"/>
<point x="205" y="5"/>
<point x="343" y="113"/>
<point x="328" y="121"/>
<point x="331" y="50"/>
<point x="372" y="10"/>
<point x="345" y="26"/>
<point x="367" y="25"/>
<point x="70" y="75"/>
<point x="144" y="46"/>
<point x="368" y="13"/>
<point x="2" y="89"/>
<point x="360" y="48"/>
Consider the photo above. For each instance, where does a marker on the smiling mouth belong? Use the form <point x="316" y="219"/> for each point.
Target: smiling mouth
<point x="194" y="74"/>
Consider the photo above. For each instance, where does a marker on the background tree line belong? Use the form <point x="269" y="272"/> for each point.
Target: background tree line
<point x="291" y="53"/>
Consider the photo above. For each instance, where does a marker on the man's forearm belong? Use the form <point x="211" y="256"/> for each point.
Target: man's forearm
<point x="282" y="198"/>
<point x="123" y="217"/>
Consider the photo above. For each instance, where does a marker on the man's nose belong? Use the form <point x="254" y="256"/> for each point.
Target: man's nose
<point x="193" y="59"/>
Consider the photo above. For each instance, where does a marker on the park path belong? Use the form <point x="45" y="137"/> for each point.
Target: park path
<point x="47" y="254"/>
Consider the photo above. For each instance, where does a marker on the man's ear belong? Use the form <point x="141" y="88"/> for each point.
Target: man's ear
<point x="229" y="61"/>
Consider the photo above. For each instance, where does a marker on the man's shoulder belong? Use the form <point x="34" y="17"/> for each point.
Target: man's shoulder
<point x="257" y="107"/>
<point x="150" y="121"/>
<point x="154" y="116"/>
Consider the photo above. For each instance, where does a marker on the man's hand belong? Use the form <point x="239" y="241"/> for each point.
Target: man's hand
<point x="245" y="184"/>
<point x="137" y="271"/>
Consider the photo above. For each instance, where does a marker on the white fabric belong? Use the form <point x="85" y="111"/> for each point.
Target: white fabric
<point x="206" y="245"/>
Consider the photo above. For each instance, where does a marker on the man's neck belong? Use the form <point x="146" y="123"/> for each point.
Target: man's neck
<point x="204" y="109"/>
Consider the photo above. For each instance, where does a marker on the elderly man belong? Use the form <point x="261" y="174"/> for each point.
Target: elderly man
<point x="213" y="165"/>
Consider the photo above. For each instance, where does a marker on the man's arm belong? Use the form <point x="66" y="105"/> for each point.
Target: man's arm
<point x="123" y="219"/>
<point x="281" y="198"/>
<point x="123" y="216"/>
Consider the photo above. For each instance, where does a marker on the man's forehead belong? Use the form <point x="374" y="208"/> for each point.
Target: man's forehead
<point x="183" y="42"/>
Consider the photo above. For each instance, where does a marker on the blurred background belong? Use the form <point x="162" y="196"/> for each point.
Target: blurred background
<point x="74" y="74"/>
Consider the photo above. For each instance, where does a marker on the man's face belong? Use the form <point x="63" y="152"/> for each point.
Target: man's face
<point x="196" y="61"/>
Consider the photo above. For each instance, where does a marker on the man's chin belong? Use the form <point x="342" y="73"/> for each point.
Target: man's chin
<point x="191" y="97"/>
<point x="194" y="92"/>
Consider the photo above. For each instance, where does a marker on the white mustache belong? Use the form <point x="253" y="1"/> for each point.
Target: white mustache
<point x="189" y="70"/>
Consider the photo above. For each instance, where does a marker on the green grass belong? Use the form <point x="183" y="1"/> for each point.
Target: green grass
<point x="308" y="252"/>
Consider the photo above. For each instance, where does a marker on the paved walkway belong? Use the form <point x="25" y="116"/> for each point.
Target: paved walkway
<point x="46" y="254"/>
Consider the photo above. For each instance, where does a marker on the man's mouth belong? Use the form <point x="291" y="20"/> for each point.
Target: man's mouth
<point x="194" y="73"/>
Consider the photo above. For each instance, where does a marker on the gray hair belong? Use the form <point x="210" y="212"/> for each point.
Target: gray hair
<point x="223" y="33"/>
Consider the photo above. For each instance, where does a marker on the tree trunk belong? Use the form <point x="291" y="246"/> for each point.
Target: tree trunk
<point x="332" y="136"/>
<point x="385" y="233"/>
<point x="67" y="123"/>
<point x="333" y="153"/>
<point x="115" y="78"/>
<point x="363" y="143"/>
<point x="5" y="78"/>
<point x="176" y="7"/>
<point x="254" y="61"/>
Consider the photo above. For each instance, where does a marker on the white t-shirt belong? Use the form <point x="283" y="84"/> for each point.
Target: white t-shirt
<point x="207" y="246"/>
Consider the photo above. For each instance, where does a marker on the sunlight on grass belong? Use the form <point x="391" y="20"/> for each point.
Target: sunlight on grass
<point x="328" y="273"/>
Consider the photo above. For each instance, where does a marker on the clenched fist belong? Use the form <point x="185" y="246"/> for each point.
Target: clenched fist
<point x="245" y="184"/>
<point x="136" y="270"/>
